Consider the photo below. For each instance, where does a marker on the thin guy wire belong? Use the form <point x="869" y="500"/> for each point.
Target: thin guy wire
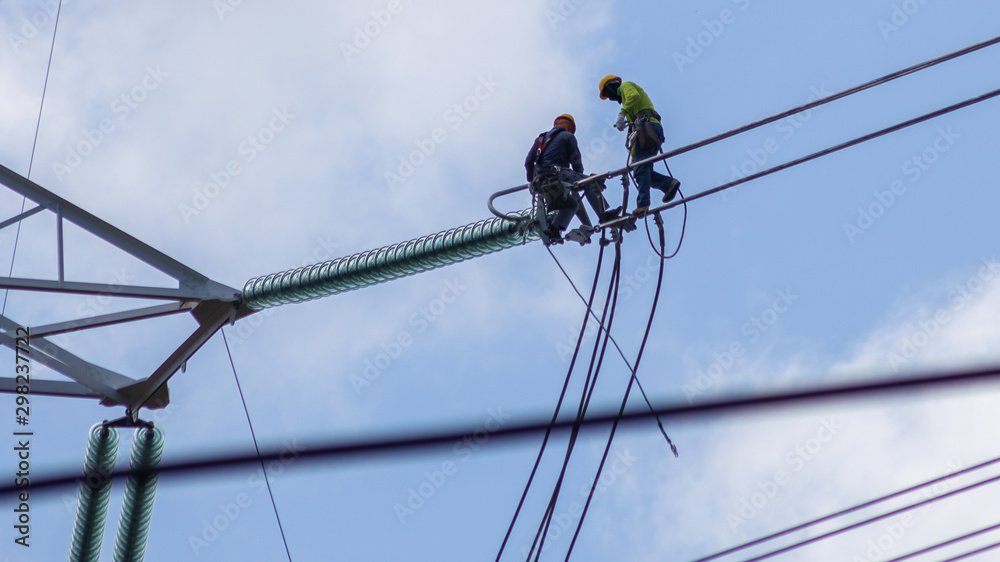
<point x="34" y="143"/>
<point x="263" y="468"/>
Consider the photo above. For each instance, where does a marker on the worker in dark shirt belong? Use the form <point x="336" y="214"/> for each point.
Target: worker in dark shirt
<point x="556" y="155"/>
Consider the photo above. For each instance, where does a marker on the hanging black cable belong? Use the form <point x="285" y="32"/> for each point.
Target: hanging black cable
<point x="849" y="510"/>
<point x="621" y="354"/>
<point x="590" y="382"/>
<point x="555" y="415"/>
<point x="628" y="389"/>
<point x="34" y="143"/>
<point x="263" y="468"/>
<point x="680" y="240"/>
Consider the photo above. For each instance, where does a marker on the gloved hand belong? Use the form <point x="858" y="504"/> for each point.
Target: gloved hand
<point x="621" y="123"/>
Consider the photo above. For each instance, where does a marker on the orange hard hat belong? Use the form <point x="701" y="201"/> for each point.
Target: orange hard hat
<point x="567" y="117"/>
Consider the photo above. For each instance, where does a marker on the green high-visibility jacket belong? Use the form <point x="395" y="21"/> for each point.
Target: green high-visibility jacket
<point x="634" y="100"/>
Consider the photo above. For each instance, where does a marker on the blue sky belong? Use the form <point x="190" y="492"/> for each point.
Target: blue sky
<point x="338" y="96"/>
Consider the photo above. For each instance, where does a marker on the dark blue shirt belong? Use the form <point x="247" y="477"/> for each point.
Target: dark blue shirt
<point x="561" y="151"/>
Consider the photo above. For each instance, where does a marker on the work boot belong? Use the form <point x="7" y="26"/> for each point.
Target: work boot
<point x="552" y="233"/>
<point x="671" y="191"/>
<point x="640" y="211"/>
<point x="611" y="214"/>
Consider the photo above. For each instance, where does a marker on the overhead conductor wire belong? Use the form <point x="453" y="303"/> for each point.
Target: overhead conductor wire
<point x="848" y="510"/>
<point x="948" y="542"/>
<point x="512" y="431"/>
<point x="873" y="519"/>
<point x="805" y="107"/>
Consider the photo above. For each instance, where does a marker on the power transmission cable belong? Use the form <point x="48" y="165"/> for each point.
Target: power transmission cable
<point x="805" y="107"/>
<point x="849" y="510"/>
<point x="973" y="553"/>
<point x="610" y="302"/>
<point x="948" y="542"/>
<point x="34" y="143"/>
<point x="263" y="468"/>
<point x="831" y="150"/>
<point x="524" y="430"/>
<point x="873" y="519"/>
<point x="628" y="389"/>
<point x="555" y="415"/>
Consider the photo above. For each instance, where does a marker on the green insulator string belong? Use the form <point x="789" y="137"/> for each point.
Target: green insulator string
<point x="140" y="491"/>
<point x="95" y="491"/>
<point x="387" y="263"/>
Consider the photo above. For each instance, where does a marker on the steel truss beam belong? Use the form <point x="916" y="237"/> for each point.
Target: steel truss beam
<point x="212" y="304"/>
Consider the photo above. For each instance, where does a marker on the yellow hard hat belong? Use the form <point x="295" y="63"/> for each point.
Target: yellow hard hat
<point x="604" y="82"/>
<point x="567" y="117"/>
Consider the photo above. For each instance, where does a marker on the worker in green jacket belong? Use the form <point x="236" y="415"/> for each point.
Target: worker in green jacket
<point x="637" y="111"/>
